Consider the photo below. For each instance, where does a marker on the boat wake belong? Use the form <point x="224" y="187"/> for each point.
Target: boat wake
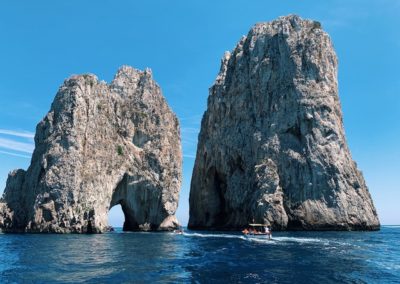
<point x="227" y="236"/>
<point x="260" y="239"/>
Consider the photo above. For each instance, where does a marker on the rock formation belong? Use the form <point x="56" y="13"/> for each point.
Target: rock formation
<point x="99" y="145"/>
<point x="272" y="146"/>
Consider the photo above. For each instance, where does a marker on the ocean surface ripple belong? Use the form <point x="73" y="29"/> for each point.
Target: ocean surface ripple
<point x="201" y="257"/>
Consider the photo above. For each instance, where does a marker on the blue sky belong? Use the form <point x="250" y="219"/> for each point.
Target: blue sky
<point x="44" y="42"/>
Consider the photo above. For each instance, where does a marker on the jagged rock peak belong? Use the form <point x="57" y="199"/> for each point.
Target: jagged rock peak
<point x="272" y="147"/>
<point x="100" y="145"/>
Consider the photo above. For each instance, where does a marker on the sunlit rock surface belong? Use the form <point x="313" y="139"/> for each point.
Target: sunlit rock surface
<point x="272" y="146"/>
<point x="99" y="145"/>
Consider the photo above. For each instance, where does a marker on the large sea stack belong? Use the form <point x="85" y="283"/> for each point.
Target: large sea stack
<point x="272" y="146"/>
<point x="100" y="145"/>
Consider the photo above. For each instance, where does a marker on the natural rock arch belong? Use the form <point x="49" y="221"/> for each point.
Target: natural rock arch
<point x="99" y="145"/>
<point x="141" y="203"/>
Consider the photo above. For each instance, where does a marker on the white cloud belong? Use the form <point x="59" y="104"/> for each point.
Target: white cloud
<point x="189" y="141"/>
<point x="189" y="134"/>
<point x="189" y="130"/>
<point x="16" y="146"/>
<point x="189" y="156"/>
<point x="15" y="154"/>
<point x="25" y="134"/>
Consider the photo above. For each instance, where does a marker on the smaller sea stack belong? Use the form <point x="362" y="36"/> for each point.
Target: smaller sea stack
<point x="100" y="145"/>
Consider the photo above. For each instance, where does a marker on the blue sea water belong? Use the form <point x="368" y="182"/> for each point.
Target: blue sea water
<point x="201" y="257"/>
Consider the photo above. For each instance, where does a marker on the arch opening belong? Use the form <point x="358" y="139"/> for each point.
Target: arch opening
<point x="119" y="216"/>
<point x="141" y="203"/>
<point x="116" y="217"/>
<point x="127" y="203"/>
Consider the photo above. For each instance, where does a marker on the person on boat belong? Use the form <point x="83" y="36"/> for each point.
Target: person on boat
<point x="269" y="232"/>
<point x="179" y="231"/>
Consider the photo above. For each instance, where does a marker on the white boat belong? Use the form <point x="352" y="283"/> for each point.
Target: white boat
<point x="258" y="230"/>
<point x="179" y="231"/>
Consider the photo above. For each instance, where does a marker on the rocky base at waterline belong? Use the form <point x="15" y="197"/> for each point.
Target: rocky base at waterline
<point x="100" y="145"/>
<point x="272" y="146"/>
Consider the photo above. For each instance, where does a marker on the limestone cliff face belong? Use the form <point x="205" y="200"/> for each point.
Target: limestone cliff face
<point x="272" y="146"/>
<point x="99" y="145"/>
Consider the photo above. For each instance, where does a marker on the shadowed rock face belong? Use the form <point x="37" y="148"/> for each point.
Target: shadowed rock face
<point x="99" y="145"/>
<point x="272" y="146"/>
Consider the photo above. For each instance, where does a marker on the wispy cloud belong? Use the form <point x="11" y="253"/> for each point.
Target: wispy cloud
<point x="335" y="23"/>
<point x="189" y="136"/>
<point x="16" y="145"/>
<point x="189" y="141"/>
<point x="15" y="154"/>
<point x="189" y="156"/>
<point x="190" y="130"/>
<point x="24" y="134"/>
<point x="344" y="16"/>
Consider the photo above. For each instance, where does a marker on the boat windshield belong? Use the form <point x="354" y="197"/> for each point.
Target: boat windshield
<point x="258" y="225"/>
